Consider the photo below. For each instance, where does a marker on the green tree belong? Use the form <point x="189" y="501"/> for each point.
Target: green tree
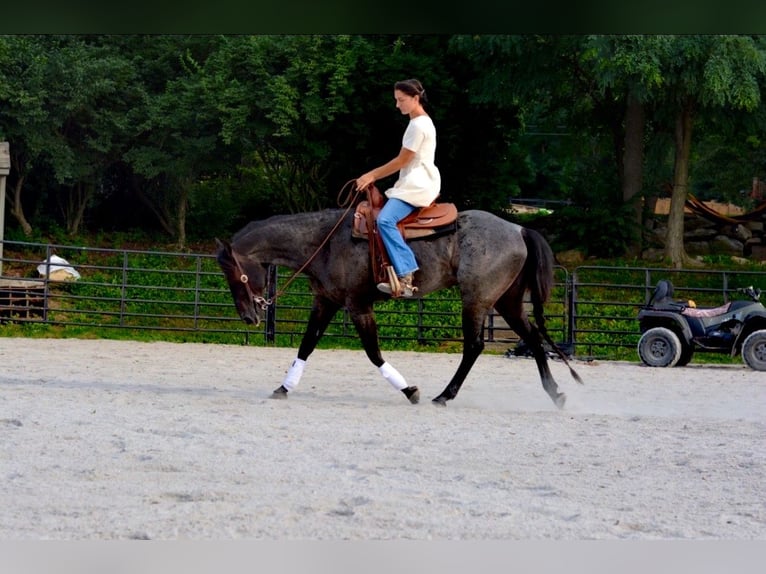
<point x="627" y="71"/>
<point x="64" y="104"/>
<point x="730" y="153"/>
<point x="703" y="74"/>
<point x="175" y="133"/>
<point x="91" y="130"/>
<point x="25" y="121"/>
<point x="570" y="140"/>
<point x="278" y="98"/>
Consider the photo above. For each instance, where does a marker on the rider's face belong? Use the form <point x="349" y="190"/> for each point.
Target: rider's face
<point x="404" y="102"/>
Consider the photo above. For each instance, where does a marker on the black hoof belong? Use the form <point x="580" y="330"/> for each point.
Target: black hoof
<point x="413" y="394"/>
<point x="440" y="401"/>
<point x="280" y="393"/>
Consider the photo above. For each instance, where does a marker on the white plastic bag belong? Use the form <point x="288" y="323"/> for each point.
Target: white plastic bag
<point x="58" y="270"/>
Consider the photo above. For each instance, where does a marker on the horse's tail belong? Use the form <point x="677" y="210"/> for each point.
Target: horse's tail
<point x="538" y="279"/>
<point x="538" y="272"/>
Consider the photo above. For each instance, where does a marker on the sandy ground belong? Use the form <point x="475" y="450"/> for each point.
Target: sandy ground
<point x="124" y="440"/>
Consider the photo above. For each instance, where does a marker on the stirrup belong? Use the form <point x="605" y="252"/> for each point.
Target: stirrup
<point x="392" y="286"/>
<point x="406" y="291"/>
<point x="398" y="286"/>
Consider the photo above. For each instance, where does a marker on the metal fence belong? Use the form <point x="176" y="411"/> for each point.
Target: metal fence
<point x="119" y="288"/>
<point x="604" y="301"/>
<point x="592" y="310"/>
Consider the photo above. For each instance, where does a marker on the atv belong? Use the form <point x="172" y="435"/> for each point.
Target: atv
<point x="672" y="330"/>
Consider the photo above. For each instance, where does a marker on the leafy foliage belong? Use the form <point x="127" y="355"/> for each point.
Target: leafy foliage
<point x="196" y="134"/>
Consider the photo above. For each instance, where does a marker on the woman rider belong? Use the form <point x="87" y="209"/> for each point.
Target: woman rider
<point x="418" y="185"/>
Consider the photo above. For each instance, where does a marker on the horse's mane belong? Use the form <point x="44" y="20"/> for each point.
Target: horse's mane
<point x="311" y="223"/>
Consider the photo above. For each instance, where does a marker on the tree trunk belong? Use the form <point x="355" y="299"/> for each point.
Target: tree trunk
<point x="183" y="205"/>
<point x="633" y="164"/>
<point x="79" y="196"/>
<point x="158" y="212"/>
<point x="17" y="209"/>
<point x="297" y="182"/>
<point x="674" y="244"/>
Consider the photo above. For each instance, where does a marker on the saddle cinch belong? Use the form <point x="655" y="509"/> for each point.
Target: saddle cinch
<point x="425" y="222"/>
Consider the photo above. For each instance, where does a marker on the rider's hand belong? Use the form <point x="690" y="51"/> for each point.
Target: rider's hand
<point x="363" y="181"/>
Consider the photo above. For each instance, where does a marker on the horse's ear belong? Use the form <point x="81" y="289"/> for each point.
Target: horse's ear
<point x="223" y="245"/>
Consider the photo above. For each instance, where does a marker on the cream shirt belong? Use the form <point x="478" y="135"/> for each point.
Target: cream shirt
<point x="419" y="181"/>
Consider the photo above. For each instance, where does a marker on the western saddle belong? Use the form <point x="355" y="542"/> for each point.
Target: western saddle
<point x="425" y="222"/>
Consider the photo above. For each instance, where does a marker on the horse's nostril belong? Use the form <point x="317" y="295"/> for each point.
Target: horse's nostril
<point x="248" y="320"/>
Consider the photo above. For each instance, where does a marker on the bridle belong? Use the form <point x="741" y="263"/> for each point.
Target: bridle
<point x="258" y="300"/>
<point x="264" y="303"/>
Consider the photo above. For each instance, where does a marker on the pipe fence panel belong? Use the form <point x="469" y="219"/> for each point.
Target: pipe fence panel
<point x="605" y="301"/>
<point x="592" y="311"/>
<point x="125" y="289"/>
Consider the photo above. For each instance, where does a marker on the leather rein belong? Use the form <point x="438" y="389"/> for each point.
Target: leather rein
<point x="348" y="202"/>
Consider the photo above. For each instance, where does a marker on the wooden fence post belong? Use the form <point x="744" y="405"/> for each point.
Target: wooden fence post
<point x="5" y="168"/>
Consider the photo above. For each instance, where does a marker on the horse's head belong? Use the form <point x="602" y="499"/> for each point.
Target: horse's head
<point x="247" y="282"/>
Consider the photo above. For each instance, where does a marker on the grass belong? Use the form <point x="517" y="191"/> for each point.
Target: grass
<point x="146" y="296"/>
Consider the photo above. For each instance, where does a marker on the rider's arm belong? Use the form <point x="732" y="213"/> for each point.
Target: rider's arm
<point x="405" y="156"/>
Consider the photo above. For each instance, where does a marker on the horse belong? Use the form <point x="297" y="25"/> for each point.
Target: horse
<point x="494" y="263"/>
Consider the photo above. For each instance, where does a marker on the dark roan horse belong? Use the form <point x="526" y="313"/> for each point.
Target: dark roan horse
<point x="494" y="262"/>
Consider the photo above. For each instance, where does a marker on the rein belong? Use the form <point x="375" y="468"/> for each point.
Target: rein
<point x="351" y="194"/>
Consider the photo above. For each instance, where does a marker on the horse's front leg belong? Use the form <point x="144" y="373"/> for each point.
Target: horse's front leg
<point x="322" y="313"/>
<point x="473" y="345"/>
<point x="364" y="321"/>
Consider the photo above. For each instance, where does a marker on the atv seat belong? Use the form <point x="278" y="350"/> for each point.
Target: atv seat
<point x="710" y="312"/>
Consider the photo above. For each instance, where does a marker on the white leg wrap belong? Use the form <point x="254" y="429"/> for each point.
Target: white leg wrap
<point x="393" y="376"/>
<point x="293" y="376"/>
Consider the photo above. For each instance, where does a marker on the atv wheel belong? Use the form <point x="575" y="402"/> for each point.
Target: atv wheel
<point x="754" y="350"/>
<point x="659" y="347"/>
<point x="687" y="352"/>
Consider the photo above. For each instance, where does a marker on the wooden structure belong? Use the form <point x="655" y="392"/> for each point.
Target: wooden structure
<point x="22" y="299"/>
<point x="5" y="169"/>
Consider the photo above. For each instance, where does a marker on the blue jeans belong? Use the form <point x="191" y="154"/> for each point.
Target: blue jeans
<point x="399" y="253"/>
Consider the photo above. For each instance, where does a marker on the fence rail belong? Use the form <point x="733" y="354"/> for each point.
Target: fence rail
<point x="592" y="309"/>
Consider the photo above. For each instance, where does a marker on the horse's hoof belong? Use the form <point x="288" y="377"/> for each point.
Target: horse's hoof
<point x="280" y="393"/>
<point x="440" y="401"/>
<point x="560" y="400"/>
<point x="413" y="394"/>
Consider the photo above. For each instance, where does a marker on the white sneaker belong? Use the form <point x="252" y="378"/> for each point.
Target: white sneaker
<point x="408" y="290"/>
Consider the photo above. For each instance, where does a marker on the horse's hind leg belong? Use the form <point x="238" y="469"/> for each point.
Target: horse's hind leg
<point x="514" y="314"/>
<point x="473" y="345"/>
<point x="322" y="313"/>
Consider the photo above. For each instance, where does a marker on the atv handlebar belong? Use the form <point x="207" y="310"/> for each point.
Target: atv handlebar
<point x="754" y="294"/>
